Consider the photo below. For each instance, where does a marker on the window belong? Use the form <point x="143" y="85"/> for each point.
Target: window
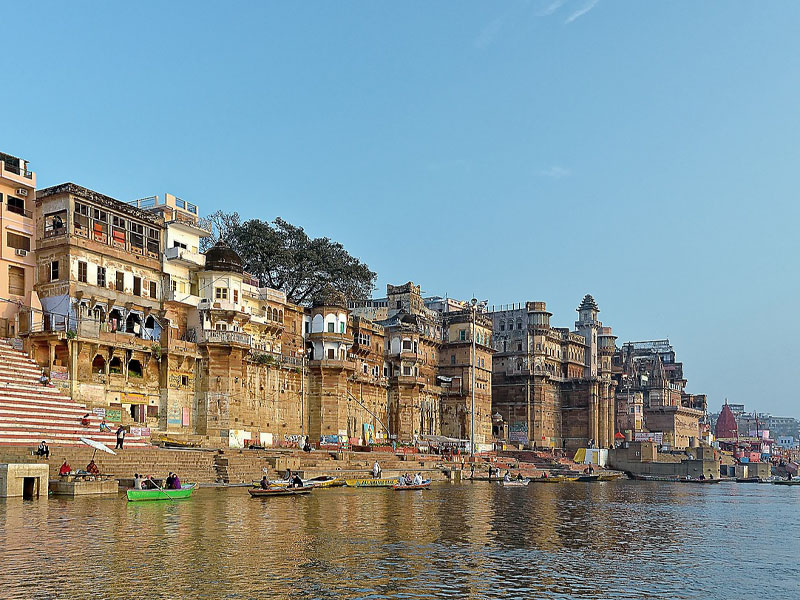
<point x="82" y="272"/>
<point x="153" y="241"/>
<point x="118" y="234"/>
<point x="342" y="327"/>
<point x="331" y="327"/>
<point x="137" y="286"/>
<point x="452" y="359"/>
<point x="177" y="244"/>
<point x="502" y="325"/>
<point x="16" y="205"/>
<point x="235" y="296"/>
<point x="519" y="347"/>
<point x="19" y="242"/>
<point x="308" y="327"/>
<point x="462" y="335"/>
<point x="54" y="223"/>
<point x="406" y="370"/>
<point x="331" y="353"/>
<point x="16" y="281"/>
<point x="54" y="271"/>
<point x="120" y="281"/>
<point x="101" y="276"/>
<point x="221" y="293"/>
<point x="152" y="289"/>
<point x="406" y="344"/>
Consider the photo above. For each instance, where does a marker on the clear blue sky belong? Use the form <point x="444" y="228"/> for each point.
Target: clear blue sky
<point x="645" y="152"/>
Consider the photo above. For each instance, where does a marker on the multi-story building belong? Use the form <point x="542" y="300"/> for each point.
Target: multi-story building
<point x="465" y="373"/>
<point x="99" y="279"/>
<point x="552" y="387"/>
<point x="17" y="243"/>
<point x="650" y="383"/>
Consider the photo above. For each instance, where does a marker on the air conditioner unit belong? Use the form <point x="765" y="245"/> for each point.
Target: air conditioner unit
<point x="20" y="252"/>
<point x="22" y="192"/>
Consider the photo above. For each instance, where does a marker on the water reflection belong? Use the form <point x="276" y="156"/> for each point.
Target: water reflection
<point x="473" y="540"/>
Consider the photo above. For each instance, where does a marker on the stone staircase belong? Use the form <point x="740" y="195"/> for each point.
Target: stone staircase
<point x="31" y="412"/>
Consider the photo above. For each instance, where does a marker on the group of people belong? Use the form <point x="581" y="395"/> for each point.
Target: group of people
<point x="140" y="482"/>
<point x="293" y="479"/>
<point x="66" y="469"/>
<point x="509" y="477"/>
<point x="406" y="479"/>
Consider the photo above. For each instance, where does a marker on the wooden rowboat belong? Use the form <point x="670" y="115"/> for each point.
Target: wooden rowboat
<point x="422" y="486"/>
<point x="588" y="478"/>
<point x="262" y="493"/>
<point x="161" y="494"/>
<point x="517" y="483"/>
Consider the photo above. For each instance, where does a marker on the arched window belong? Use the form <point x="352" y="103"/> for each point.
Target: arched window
<point x="150" y="322"/>
<point x="99" y="365"/>
<point x="133" y="324"/>
<point x="134" y="368"/>
<point x="115" y="366"/>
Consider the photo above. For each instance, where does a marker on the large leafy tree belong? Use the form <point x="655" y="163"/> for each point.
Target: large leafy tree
<point x="283" y="257"/>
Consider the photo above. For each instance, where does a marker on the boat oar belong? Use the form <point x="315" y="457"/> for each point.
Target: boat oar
<point x="161" y="490"/>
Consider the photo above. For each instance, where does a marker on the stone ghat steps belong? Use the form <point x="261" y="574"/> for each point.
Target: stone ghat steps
<point x="191" y="466"/>
<point x="31" y="412"/>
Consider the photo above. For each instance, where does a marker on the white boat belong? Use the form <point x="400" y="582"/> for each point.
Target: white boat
<point x="517" y="483"/>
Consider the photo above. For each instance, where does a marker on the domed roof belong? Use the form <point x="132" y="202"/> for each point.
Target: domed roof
<point x="588" y="302"/>
<point x="221" y="257"/>
<point x="329" y="296"/>
<point x="726" y="427"/>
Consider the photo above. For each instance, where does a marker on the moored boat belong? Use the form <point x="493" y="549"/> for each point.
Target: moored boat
<point x="379" y="482"/>
<point x="687" y="480"/>
<point x="279" y="491"/>
<point x="161" y="494"/>
<point x="787" y="482"/>
<point x="748" y="480"/>
<point x="588" y="478"/>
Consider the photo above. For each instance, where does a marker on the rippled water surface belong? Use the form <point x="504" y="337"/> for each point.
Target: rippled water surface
<point x="620" y="539"/>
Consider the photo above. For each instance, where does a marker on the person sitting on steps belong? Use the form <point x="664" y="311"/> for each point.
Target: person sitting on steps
<point x="43" y="450"/>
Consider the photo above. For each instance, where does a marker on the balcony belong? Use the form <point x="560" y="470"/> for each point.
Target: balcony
<point x="328" y="336"/>
<point x="19" y="211"/>
<point x="182" y="297"/>
<point x="185" y="258"/>
<point x="229" y="338"/>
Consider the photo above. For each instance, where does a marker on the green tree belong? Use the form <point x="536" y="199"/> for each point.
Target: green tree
<point x="282" y="256"/>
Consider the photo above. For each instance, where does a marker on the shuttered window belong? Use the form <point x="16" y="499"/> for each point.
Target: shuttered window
<point x="19" y="242"/>
<point x="16" y="281"/>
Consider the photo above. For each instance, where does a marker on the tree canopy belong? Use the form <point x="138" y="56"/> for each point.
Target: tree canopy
<point x="282" y="256"/>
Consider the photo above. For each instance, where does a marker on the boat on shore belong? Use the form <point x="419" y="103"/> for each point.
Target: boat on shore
<point x="419" y="486"/>
<point x="161" y="494"/>
<point x="370" y="482"/>
<point x="279" y="491"/>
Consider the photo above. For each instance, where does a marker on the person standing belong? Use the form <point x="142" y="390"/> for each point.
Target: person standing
<point x="376" y="470"/>
<point x="120" y="437"/>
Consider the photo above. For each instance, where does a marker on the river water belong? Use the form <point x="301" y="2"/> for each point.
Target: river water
<point x="623" y="539"/>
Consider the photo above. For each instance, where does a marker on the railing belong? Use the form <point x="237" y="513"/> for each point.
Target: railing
<point x="176" y="253"/>
<point x="19" y="211"/>
<point x="212" y="336"/>
<point x="18" y="170"/>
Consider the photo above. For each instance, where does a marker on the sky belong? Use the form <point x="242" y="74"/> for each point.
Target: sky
<point x="643" y="152"/>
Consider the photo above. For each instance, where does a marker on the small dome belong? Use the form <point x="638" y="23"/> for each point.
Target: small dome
<point x="588" y="302"/>
<point x="329" y="296"/>
<point x="221" y="257"/>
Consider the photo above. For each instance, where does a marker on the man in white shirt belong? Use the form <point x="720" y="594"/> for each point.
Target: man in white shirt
<point x="376" y="470"/>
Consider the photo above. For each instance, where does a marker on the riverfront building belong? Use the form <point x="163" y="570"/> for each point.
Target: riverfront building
<point x="651" y="397"/>
<point x="552" y="387"/>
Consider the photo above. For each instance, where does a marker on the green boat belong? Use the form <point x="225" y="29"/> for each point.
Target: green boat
<point x="161" y="494"/>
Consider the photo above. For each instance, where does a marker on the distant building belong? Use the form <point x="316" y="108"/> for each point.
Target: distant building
<point x="726" y="427"/>
<point x="650" y="381"/>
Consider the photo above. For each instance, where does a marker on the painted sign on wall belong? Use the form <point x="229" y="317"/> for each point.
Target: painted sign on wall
<point x="114" y="414"/>
<point x="174" y="414"/>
